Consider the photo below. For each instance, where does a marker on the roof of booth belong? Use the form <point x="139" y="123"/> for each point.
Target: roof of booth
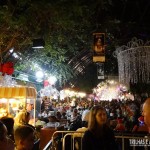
<point x="18" y="92"/>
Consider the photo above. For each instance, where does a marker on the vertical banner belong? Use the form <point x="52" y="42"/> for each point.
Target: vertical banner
<point x="99" y="47"/>
<point x="100" y="71"/>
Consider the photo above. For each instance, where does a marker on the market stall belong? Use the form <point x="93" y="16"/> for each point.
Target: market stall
<point x="14" y="98"/>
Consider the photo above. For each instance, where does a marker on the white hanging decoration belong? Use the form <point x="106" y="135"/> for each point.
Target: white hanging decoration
<point x="49" y="91"/>
<point x="134" y="62"/>
<point x="110" y="89"/>
<point x="7" y="80"/>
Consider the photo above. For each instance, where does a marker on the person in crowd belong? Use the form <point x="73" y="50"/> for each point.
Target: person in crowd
<point x="85" y="117"/>
<point x="76" y="121"/>
<point x="73" y="103"/>
<point x="24" y="138"/>
<point x="5" y="142"/>
<point x="42" y="106"/>
<point x="141" y="127"/>
<point x="52" y="117"/>
<point x="64" y="116"/>
<point x="120" y="127"/>
<point x="99" y="135"/>
<point x="80" y="131"/>
<point x="30" y="109"/>
<point x="146" y="113"/>
<point x="58" y="115"/>
<point x="22" y="118"/>
<point x="11" y="111"/>
<point x="9" y="123"/>
<point x="74" y="115"/>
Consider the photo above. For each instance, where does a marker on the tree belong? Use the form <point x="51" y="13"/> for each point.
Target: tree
<point x="66" y="26"/>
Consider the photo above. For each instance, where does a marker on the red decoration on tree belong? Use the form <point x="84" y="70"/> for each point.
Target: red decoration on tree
<point x="7" y="68"/>
<point x="46" y="83"/>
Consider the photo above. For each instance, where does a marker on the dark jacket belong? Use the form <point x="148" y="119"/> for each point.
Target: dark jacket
<point x="105" y="142"/>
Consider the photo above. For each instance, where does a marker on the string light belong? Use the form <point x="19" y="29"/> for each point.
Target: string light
<point x="133" y="62"/>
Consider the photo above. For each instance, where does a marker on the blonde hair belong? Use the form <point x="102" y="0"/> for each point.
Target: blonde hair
<point x="21" y="117"/>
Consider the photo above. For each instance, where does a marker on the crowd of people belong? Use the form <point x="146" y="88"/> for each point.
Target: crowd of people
<point x="16" y="132"/>
<point x="122" y="115"/>
<point x="99" y="120"/>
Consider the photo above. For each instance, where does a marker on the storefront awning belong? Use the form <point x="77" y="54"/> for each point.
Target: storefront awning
<point x="18" y="92"/>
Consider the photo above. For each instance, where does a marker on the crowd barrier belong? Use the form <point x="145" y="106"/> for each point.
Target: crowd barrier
<point x="72" y="140"/>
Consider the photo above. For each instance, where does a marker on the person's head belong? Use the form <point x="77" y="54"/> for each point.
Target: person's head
<point x="3" y="131"/>
<point x="146" y="112"/>
<point x="9" y="123"/>
<point x="32" y="106"/>
<point x="85" y="115"/>
<point x="58" y="115"/>
<point x="97" y="118"/>
<point x="24" y="138"/>
<point x="63" y="114"/>
<point x="29" y="106"/>
<point x="85" y="118"/>
<point x="75" y="112"/>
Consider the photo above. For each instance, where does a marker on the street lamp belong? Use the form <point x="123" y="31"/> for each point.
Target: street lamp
<point x="39" y="76"/>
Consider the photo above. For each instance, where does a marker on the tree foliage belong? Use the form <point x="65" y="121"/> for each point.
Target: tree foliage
<point x="25" y="20"/>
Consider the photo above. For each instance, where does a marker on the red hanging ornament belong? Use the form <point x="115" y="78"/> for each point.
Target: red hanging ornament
<point x="7" y="68"/>
<point x="46" y="83"/>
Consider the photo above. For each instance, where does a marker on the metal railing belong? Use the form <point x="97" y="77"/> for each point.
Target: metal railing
<point x="125" y="142"/>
